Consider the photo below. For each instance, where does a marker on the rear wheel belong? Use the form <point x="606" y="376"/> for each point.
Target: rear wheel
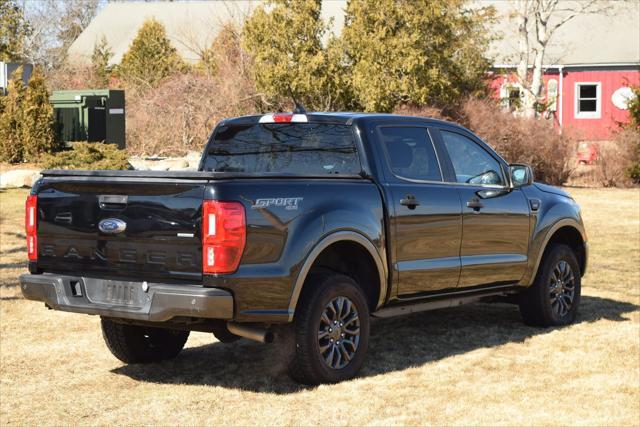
<point x="553" y="298"/>
<point x="331" y="331"/>
<point x="142" y="344"/>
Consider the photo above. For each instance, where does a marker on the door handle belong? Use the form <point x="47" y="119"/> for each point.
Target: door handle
<point x="112" y="202"/>
<point x="475" y="204"/>
<point x="410" y="201"/>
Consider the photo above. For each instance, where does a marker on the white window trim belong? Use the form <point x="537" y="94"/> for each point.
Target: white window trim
<point x="587" y="115"/>
<point x="505" y="92"/>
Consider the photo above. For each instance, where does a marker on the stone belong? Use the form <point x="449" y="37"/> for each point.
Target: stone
<point x="162" y="164"/>
<point x="18" y="178"/>
<point x="193" y="157"/>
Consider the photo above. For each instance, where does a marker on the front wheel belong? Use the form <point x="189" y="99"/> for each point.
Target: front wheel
<point x="331" y="331"/>
<point x="142" y="344"/>
<point x="553" y="298"/>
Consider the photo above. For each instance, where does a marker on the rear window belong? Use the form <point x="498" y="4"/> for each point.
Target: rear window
<point x="298" y="148"/>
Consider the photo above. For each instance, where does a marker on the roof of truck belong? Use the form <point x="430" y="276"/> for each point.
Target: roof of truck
<point x="339" y="117"/>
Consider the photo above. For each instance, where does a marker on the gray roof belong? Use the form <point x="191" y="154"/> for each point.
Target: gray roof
<point x="605" y="38"/>
<point x="192" y="26"/>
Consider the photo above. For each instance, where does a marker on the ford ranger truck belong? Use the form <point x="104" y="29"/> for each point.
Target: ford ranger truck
<point x="298" y="228"/>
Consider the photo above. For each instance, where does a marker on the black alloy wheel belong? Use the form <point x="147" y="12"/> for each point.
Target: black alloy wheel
<point x="339" y="332"/>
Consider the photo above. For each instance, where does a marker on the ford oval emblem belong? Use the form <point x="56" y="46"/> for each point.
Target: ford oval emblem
<point x="112" y="226"/>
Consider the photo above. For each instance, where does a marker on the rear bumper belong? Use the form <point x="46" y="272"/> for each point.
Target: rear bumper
<point x="127" y="300"/>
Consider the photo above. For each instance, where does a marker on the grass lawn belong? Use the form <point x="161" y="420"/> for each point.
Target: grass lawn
<point x="476" y="364"/>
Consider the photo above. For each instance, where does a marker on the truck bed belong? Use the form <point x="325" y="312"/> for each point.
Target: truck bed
<point x="162" y="243"/>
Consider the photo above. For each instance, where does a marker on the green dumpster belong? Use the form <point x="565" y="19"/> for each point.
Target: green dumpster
<point x="94" y="115"/>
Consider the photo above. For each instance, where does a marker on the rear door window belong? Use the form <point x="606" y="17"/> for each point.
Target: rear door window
<point x="298" y="149"/>
<point x="411" y="154"/>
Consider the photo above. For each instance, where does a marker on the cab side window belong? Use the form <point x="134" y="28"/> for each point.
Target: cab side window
<point x="471" y="163"/>
<point x="411" y="153"/>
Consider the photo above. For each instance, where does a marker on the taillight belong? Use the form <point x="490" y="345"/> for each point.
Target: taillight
<point x="31" y="227"/>
<point x="284" y="118"/>
<point x="224" y="235"/>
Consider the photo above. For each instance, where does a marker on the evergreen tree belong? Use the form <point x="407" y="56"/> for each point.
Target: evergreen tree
<point x="38" y="125"/>
<point x="100" y="63"/>
<point x="634" y="126"/>
<point x="226" y="45"/>
<point x="225" y="48"/>
<point x="13" y="30"/>
<point x="285" y="38"/>
<point x="11" y="123"/>
<point x="415" y="51"/>
<point x="150" y="58"/>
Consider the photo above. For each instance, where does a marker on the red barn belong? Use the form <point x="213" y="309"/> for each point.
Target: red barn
<point x="592" y="61"/>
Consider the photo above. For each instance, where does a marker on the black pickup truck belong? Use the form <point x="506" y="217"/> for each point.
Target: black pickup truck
<point x="298" y="227"/>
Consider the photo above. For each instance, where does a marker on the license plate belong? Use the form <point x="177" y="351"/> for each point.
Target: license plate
<point x="114" y="292"/>
<point x="121" y="294"/>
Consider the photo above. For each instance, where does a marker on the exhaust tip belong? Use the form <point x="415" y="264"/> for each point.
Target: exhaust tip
<point x="251" y="332"/>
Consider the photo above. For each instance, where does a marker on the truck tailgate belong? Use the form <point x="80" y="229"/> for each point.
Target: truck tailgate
<point x="81" y="221"/>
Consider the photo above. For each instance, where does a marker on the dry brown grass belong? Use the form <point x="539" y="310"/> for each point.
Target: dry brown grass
<point x="471" y="365"/>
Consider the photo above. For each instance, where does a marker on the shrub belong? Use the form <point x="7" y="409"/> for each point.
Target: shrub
<point x="70" y="76"/>
<point x="617" y="163"/>
<point x="609" y="169"/>
<point x="11" y="148"/>
<point x="632" y="130"/>
<point x="522" y="140"/>
<point x="27" y="128"/>
<point x="451" y="113"/>
<point x="87" y="155"/>
<point x="38" y="125"/>
<point x="634" y="170"/>
<point x="179" y="115"/>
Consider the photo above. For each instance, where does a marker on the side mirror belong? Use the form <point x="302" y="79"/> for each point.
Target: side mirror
<point x="488" y="178"/>
<point x="520" y="174"/>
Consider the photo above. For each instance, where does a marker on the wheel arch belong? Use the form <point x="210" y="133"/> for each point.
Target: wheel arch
<point x="567" y="232"/>
<point x="337" y="241"/>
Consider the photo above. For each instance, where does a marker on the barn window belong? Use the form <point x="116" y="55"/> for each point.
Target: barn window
<point x="514" y="98"/>
<point x="588" y="100"/>
<point x="511" y="96"/>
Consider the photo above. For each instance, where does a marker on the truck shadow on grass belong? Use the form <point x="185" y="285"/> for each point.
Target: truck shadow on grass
<point x="396" y="344"/>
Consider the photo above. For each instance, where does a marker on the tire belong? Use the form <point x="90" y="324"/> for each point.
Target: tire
<point x="554" y="296"/>
<point x="317" y="355"/>
<point x="141" y="344"/>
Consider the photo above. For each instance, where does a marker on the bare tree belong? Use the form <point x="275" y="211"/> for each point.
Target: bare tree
<point x="54" y="26"/>
<point x="199" y="42"/>
<point x="537" y="21"/>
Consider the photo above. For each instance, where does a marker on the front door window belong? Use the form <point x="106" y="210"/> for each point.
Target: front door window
<point x="472" y="164"/>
